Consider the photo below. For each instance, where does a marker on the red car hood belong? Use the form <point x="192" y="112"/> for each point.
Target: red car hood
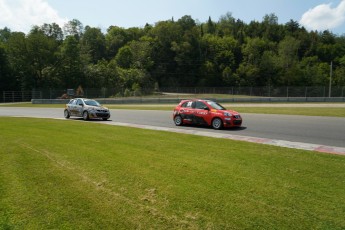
<point x="233" y="112"/>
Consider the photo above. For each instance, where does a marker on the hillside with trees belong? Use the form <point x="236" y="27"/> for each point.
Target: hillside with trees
<point x="171" y="53"/>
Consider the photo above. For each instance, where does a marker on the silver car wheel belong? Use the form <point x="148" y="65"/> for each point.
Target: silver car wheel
<point x="217" y="123"/>
<point x="66" y="114"/>
<point x="85" y="115"/>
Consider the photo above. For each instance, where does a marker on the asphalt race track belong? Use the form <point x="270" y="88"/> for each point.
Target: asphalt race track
<point x="325" y="131"/>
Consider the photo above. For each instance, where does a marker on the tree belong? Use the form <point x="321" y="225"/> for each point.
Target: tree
<point x="339" y="73"/>
<point x="71" y="66"/>
<point x="187" y="55"/>
<point x="101" y="75"/>
<point x="5" y="34"/>
<point x="93" y="44"/>
<point x="253" y="49"/>
<point x="292" y="27"/>
<point x="41" y="54"/>
<point x="210" y="26"/>
<point x="219" y="53"/>
<point x="227" y="25"/>
<point x="6" y="79"/>
<point x="268" y="69"/>
<point x="74" y="28"/>
<point x="53" y="31"/>
<point x="18" y="60"/>
<point x="271" y="29"/>
<point x="142" y="55"/>
<point x="288" y="58"/>
<point x="247" y="74"/>
<point x="258" y="61"/>
<point x="133" y="79"/>
<point x="180" y="52"/>
<point x="124" y="57"/>
<point x="186" y="23"/>
<point x="164" y="34"/>
<point x="135" y="58"/>
<point x="270" y="19"/>
<point x="310" y="71"/>
<point x="117" y="37"/>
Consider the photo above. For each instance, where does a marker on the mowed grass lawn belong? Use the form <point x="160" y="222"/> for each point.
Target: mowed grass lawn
<point x="65" y="174"/>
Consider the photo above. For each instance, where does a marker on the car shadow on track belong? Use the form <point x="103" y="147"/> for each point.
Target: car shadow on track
<point x="233" y="129"/>
<point x="90" y="120"/>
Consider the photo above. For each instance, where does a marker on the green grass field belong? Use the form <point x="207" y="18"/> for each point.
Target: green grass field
<point x="65" y="174"/>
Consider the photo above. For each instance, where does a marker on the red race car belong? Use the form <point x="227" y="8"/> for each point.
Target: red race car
<point x="205" y="112"/>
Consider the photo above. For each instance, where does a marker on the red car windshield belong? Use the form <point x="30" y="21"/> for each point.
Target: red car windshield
<point x="215" y="105"/>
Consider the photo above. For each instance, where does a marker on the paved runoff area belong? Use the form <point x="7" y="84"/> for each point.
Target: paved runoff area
<point x="267" y="141"/>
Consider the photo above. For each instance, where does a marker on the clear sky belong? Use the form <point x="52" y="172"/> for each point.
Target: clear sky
<point x="21" y="15"/>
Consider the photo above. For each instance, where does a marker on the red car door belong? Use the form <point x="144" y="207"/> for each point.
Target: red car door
<point x="202" y="114"/>
<point x="186" y="112"/>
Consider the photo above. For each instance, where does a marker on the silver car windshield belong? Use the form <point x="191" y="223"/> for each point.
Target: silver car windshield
<point x="91" y="103"/>
<point x="215" y="105"/>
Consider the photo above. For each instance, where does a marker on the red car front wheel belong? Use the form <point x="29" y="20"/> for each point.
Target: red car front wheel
<point x="178" y="120"/>
<point x="217" y="123"/>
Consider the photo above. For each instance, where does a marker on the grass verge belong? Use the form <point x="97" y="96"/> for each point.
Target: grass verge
<point x="305" y="111"/>
<point x="83" y="175"/>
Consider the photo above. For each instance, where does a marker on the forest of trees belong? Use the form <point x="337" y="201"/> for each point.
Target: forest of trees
<point x="172" y="53"/>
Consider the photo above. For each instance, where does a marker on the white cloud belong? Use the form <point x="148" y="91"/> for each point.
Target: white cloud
<point x="21" y="15"/>
<point x="323" y="17"/>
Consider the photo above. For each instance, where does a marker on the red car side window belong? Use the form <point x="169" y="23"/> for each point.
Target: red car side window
<point x="187" y="104"/>
<point x="200" y="105"/>
<point x="184" y="104"/>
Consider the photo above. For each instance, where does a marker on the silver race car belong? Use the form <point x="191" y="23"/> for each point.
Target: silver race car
<point x="86" y="108"/>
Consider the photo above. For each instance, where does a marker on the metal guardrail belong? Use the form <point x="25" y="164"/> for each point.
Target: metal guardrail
<point x="20" y="96"/>
<point x="177" y="100"/>
<point x="315" y="93"/>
